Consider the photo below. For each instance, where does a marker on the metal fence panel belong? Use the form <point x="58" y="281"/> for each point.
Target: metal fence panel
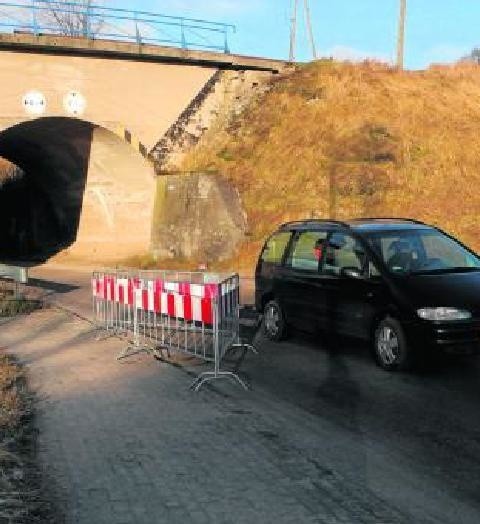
<point x="192" y="313"/>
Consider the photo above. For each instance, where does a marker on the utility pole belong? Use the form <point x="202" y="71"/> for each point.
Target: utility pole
<point x="401" y="35"/>
<point x="293" y="29"/>
<point x="308" y="20"/>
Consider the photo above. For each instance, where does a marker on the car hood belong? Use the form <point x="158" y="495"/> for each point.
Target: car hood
<point x="461" y="290"/>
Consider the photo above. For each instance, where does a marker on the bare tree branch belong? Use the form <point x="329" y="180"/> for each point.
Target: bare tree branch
<point x="74" y="20"/>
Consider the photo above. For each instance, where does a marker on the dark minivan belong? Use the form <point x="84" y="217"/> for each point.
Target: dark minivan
<point x="408" y="287"/>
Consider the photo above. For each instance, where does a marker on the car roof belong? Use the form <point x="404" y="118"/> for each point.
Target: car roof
<point x="359" y="224"/>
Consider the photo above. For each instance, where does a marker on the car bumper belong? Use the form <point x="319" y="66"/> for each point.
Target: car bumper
<point x="462" y="337"/>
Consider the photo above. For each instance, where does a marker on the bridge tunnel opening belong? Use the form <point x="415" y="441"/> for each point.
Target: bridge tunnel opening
<point x="42" y="188"/>
<point x="75" y="187"/>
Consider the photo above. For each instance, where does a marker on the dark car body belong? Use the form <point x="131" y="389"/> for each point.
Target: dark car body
<point x="353" y="300"/>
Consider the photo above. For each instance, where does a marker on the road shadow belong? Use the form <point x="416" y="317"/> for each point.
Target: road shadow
<point x="54" y="287"/>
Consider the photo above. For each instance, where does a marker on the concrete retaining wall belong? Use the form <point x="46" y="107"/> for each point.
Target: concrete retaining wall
<point x="198" y="216"/>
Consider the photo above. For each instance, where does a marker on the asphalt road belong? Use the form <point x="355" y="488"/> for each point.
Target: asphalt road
<point x="412" y="440"/>
<point x="385" y="447"/>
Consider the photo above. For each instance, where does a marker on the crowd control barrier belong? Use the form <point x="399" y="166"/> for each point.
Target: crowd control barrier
<point x="193" y="313"/>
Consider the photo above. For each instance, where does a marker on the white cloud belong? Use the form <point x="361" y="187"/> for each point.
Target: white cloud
<point x="444" y="54"/>
<point x="341" y="52"/>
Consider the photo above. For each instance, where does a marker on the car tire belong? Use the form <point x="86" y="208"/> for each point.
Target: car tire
<point x="391" y="350"/>
<point x="274" y="324"/>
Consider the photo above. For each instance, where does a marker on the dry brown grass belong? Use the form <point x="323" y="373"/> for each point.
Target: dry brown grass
<point x="22" y="497"/>
<point x="11" y="405"/>
<point x="13" y="409"/>
<point x="341" y="140"/>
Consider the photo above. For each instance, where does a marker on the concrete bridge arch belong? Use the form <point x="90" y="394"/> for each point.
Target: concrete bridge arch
<point x="89" y="179"/>
<point x="83" y="187"/>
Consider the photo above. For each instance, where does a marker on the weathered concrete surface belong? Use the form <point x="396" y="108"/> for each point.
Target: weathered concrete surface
<point x="143" y="98"/>
<point x="117" y="210"/>
<point x="197" y="216"/>
<point x="224" y="97"/>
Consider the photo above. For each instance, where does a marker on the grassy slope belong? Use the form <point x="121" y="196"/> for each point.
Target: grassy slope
<point x="342" y="140"/>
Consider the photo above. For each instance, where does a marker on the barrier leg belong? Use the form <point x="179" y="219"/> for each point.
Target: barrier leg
<point x="213" y="375"/>
<point x="101" y="321"/>
<point x="217" y="373"/>
<point x="137" y="347"/>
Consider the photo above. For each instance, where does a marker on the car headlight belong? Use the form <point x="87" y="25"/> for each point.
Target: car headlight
<point x="443" y="313"/>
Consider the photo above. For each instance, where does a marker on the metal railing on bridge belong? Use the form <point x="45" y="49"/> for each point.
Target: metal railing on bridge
<point x="47" y="17"/>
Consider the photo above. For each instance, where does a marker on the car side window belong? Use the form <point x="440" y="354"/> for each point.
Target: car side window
<point x="307" y="251"/>
<point x="343" y="252"/>
<point x="275" y="247"/>
<point x="440" y="248"/>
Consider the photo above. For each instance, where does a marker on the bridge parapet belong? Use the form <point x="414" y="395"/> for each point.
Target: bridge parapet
<point x="79" y="46"/>
<point x="86" y="19"/>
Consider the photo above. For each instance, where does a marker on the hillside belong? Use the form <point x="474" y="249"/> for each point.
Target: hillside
<point x="342" y="140"/>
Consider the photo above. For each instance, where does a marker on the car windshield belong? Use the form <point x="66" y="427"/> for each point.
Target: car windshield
<point x="422" y="251"/>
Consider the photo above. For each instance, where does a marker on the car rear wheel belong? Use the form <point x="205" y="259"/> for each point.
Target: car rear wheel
<point x="390" y="346"/>
<point x="274" y="324"/>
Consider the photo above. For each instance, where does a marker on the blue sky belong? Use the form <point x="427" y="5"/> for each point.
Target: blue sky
<point x="437" y="30"/>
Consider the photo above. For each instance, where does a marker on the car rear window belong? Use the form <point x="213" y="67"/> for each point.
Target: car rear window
<point x="275" y="247"/>
<point x="307" y="251"/>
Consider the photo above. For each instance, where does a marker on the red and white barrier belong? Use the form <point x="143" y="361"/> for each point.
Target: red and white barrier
<point x="194" y="313"/>
<point x="184" y="300"/>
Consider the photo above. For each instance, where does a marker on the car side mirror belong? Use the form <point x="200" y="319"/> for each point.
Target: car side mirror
<point x="351" y="272"/>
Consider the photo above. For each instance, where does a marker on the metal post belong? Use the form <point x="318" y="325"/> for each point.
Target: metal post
<point x="138" y="36"/>
<point x="88" y="26"/>
<point x="184" y="41"/>
<point x="34" y="19"/>
<point x="401" y="35"/>
<point x="226" y="48"/>
<point x="308" y="20"/>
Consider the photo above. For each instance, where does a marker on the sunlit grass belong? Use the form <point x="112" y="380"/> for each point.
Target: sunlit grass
<point x="341" y="140"/>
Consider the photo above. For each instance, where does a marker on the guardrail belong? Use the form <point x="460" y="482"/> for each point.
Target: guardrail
<point x="107" y="23"/>
<point x="16" y="273"/>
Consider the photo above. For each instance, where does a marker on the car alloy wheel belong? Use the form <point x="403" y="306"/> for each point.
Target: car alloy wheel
<point x="391" y="348"/>
<point x="387" y="345"/>
<point x="273" y="321"/>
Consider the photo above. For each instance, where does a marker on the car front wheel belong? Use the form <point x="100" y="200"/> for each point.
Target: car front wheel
<point x="390" y="346"/>
<point x="274" y="324"/>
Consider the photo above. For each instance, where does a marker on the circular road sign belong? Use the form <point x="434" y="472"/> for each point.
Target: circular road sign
<point x="74" y="103"/>
<point x="34" y="103"/>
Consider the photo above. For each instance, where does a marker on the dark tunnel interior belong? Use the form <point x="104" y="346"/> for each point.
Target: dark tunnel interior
<point x="40" y="209"/>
